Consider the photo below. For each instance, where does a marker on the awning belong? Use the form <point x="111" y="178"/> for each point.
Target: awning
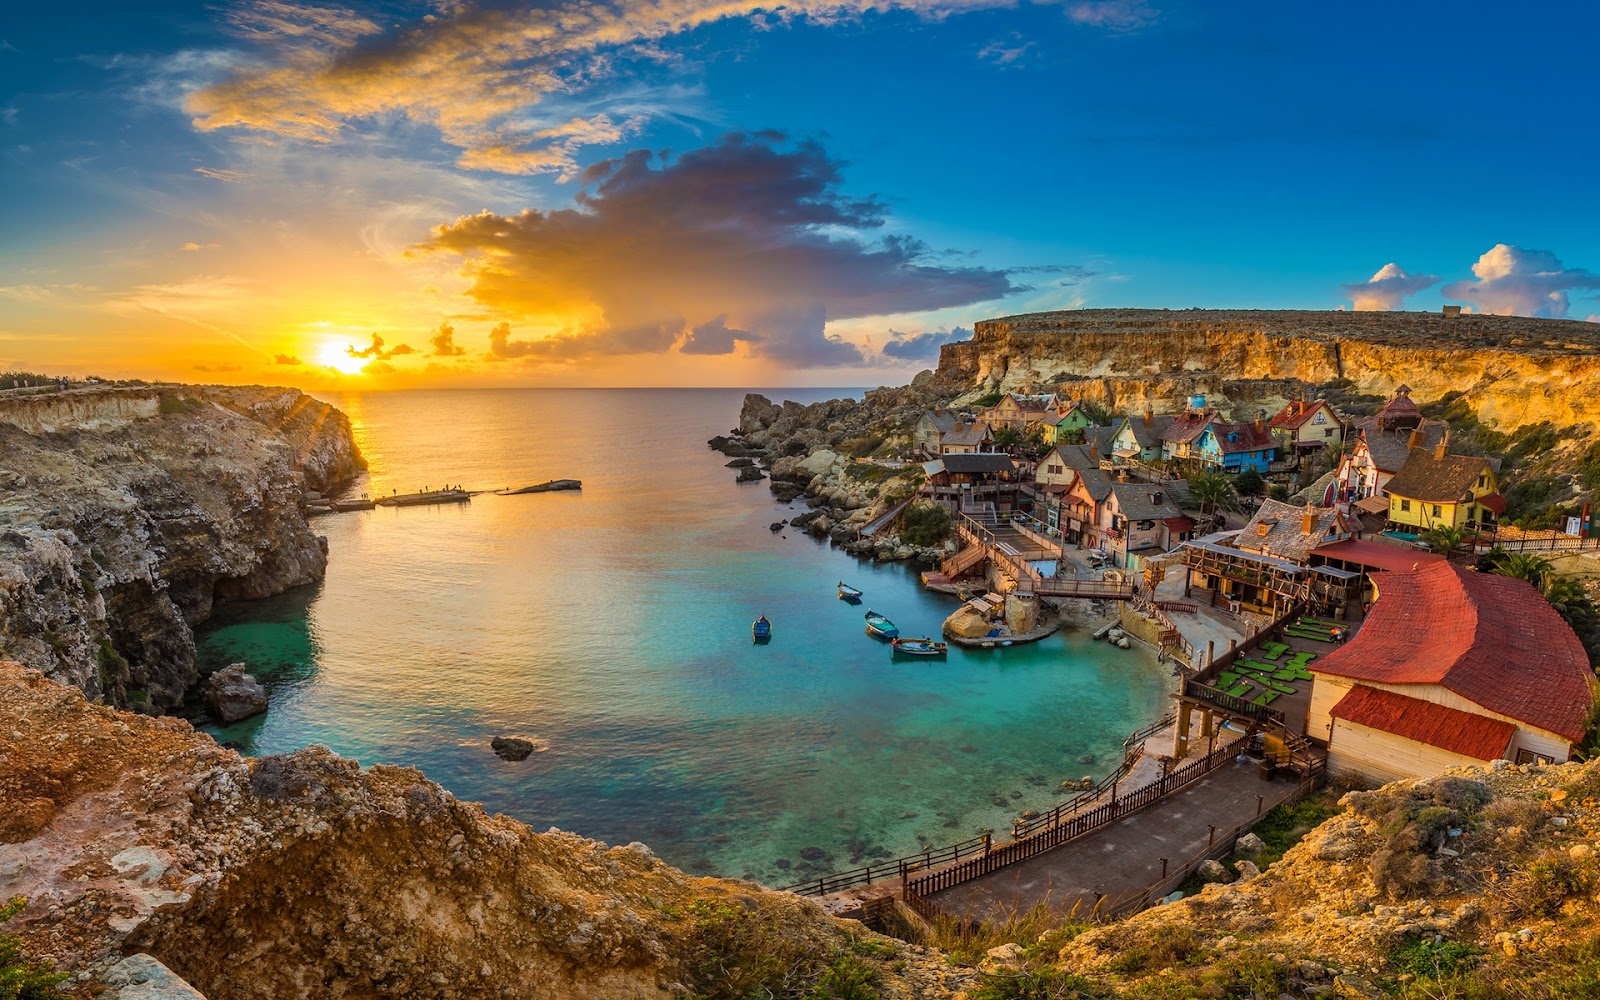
<point x="1178" y="523"/>
<point x="1493" y="502"/>
<point x="1374" y="505"/>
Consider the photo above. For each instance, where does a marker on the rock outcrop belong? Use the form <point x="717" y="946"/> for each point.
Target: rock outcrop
<point x="232" y="694"/>
<point x="303" y="875"/>
<point x="1515" y="371"/>
<point x="127" y="513"/>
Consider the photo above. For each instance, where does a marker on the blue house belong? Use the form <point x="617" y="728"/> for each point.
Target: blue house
<point x="1233" y="448"/>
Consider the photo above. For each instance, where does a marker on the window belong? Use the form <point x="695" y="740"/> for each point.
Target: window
<point x="1054" y="469"/>
<point x="1435" y="510"/>
<point x="1405" y="504"/>
<point x="1482" y="480"/>
<point x="1529" y="757"/>
<point x="1328" y="433"/>
<point x="1320" y="418"/>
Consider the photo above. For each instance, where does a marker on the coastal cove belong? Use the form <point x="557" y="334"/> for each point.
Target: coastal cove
<point x="611" y="627"/>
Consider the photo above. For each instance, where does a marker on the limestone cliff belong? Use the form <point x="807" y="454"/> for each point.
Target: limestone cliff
<point x="305" y="876"/>
<point x="126" y="513"/>
<point x="1515" y="371"/>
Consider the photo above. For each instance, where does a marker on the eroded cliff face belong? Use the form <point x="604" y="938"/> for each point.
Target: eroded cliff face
<point x="126" y="513"/>
<point x="303" y="875"/>
<point x="1515" y="371"/>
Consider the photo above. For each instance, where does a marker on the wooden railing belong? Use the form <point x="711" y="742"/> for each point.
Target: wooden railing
<point x="1085" y="822"/>
<point x="1193" y="688"/>
<point x="1220" y="846"/>
<point x="1132" y="750"/>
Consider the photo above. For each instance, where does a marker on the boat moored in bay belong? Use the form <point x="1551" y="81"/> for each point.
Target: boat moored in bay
<point x="849" y="593"/>
<point x="923" y="647"/>
<point x="880" y="627"/>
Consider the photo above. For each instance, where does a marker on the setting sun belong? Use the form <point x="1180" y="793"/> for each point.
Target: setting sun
<point x="336" y="355"/>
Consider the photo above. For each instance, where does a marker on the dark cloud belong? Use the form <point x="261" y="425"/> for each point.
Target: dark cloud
<point x="715" y="337"/>
<point x="375" y="350"/>
<point x="286" y="359"/>
<point x="378" y="368"/>
<point x="218" y="369"/>
<point x="922" y="346"/>
<point x="444" y="342"/>
<point x="752" y="230"/>
<point x="647" y="338"/>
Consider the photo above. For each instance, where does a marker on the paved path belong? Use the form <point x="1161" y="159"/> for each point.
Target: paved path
<point x="1120" y="859"/>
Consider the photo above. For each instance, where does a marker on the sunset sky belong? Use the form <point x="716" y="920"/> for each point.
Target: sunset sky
<point x="711" y="192"/>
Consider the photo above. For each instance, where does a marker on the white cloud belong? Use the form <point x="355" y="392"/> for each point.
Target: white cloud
<point x="1512" y="281"/>
<point x="1388" y="289"/>
<point x="1113" y="15"/>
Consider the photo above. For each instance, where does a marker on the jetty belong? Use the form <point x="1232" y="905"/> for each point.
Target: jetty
<point x="552" y="486"/>
<point x="425" y="498"/>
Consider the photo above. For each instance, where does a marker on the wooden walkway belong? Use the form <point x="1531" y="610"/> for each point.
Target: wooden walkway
<point x="1123" y="861"/>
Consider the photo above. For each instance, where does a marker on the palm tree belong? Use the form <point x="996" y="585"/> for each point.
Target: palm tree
<point x="1444" y="538"/>
<point x="1520" y="566"/>
<point x="1212" y="492"/>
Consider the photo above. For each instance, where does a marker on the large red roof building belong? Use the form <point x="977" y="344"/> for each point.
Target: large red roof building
<point x="1451" y="667"/>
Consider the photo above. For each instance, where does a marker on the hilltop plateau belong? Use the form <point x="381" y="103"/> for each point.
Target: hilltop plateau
<point x="1513" y="371"/>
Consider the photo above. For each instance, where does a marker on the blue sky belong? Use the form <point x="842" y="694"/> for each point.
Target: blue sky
<point x="257" y="189"/>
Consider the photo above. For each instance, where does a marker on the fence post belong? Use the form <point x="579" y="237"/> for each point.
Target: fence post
<point x="1211" y="838"/>
<point x="1259" y="800"/>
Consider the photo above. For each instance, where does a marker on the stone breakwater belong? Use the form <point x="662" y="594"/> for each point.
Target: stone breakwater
<point x="1515" y="371"/>
<point x="127" y="513"/>
<point x="303" y="875"/>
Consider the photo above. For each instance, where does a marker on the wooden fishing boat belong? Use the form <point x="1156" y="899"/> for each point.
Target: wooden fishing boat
<point x="880" y="627"/>
<point x="761" y="629"/>
<point x="849" y="593"/>
<point x="924" y="647"/>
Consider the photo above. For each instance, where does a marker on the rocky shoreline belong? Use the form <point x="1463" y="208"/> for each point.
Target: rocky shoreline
<point x="128" y="513"/>
<point x="836" y="456"/>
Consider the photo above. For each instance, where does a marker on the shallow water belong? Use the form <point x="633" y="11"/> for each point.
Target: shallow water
<point x="612" y="626"/>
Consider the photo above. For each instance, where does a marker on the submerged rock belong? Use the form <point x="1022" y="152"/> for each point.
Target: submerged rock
<point x="511" y="747"/>
<point x="232" y="694"/>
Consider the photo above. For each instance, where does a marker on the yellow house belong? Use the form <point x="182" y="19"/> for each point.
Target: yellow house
<point x="1435" y="489"/>
<point x="1016" y="412"/>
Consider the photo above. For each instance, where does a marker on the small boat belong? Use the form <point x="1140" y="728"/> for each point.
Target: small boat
<point x="761" y="630"/>
<point x="918" y="647"/>
<point x="849" y="593"/>
<point x="880" y="627"/>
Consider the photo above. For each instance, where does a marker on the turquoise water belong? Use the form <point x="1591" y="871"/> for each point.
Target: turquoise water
<point x="612" y="627"/>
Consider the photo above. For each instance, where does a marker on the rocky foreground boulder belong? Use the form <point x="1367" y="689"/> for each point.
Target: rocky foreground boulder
<point x="232" y="694"/>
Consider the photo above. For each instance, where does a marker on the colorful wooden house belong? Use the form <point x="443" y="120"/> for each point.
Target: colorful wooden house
<point x="1302" y="427"/>
<point x="1437" y="489"/>
<point x="1233" y="448"/>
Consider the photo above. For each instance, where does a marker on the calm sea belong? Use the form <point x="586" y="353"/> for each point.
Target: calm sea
<point x="612" y="627"/>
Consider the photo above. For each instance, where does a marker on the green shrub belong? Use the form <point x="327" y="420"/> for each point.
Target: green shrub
<point x="987" y="399"/>
<point x="1424" y="959"/>
<point x="1039" y="984"/>
<point x="845" y="978"/>
<point x="925" y="524"/>
<point x="171" y="402"/>
<point x="22" y="978"/>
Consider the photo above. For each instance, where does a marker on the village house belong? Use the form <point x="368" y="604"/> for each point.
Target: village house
<point x="1435" y="489"/>
<point x="967" y="480"/>
<point x="930" y="429"/>
<point x="1302" y="427"/>
<point x="1382" y="443"/>
<point x="1082" y="505"/>
<point x="1270" y="564"/>
<point x="1066" y="424"/>
<point x="1016" y="412"/>
<point x="1137" y="438"/>
<point x="1233" y="448"/>
<point x="1180" y="439"/>
<point x="967" y="439"/>
<point x="1139" y="520"/>
<point x="1451" y="667"/>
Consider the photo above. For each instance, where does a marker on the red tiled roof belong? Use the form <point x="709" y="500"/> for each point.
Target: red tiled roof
<point x="1491" y="639"/>
<point x="1377" y="555"/>
<point x="1250" y="438"/>
<point x="1297" y="412"/>
<point x="1494" y="502"/>
<point x="1186" y="427"/>
<point x="1178" y="523"/>
<point x="1450" y="729"/>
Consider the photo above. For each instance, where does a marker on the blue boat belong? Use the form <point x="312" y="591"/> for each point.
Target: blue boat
<point x="761" y="629"/>
<point x="880" y="627"/>
<point x="849" y="593"/>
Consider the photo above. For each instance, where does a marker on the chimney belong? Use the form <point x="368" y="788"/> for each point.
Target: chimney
<point x="1442" y="448"/>
<point x="1415" y="440"/>
<point x="1122" y="475"/>
<point x="1261" y="420"/>
<point x="1307" y="520"/>
<point x="1149" y="414"/>
<point x="1094" y="450"/>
